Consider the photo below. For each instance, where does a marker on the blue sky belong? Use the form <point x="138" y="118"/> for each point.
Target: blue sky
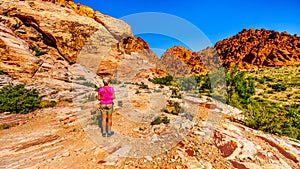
<point x="215" y="20"/>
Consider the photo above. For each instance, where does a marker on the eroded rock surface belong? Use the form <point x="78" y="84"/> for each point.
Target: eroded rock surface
<point x="249" y="49"/>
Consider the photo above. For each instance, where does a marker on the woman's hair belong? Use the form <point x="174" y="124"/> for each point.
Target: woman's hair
<point x="106" y="81"/>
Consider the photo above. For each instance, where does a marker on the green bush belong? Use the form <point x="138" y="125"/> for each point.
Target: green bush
<point x="271" y="118"/>
<point x="143" y="86"/>
<point x="278" y="87"/>
<point x="91" y="97"/>
<point x="17" y="99"/>
<point x="172" y="107"/>
<point x="37" y="51"/>
<point x="7" y="126"/>
<point x="66" y="99"/>
<point x="239" y="88"/>
<point x="3" y="73"/>
<point x="157" y="120"/>
<point x="175" y="93"/>
<point x="80" y="78"/>
<point x="167" y="80"/>
<point x="260" y="112"/>
<point x="188" y="83"/>
<point x="89" y="84"/>
<point x="115" y="81"/>
<point x="261" y="80"/>
<point x="47" y="103"/>
<point x="268" y="79"/>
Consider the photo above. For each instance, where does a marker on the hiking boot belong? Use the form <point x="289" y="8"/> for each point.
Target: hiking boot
<point x="110" y="133"/>
<point x="104" y="134"/>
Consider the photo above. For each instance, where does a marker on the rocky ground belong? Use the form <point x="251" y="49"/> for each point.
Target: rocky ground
<point x="69" y="137"/>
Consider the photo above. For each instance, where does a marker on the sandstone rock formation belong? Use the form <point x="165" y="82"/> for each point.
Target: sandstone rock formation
<point x="61" y="29"/>
<point x="181" y="61"/>
<point x="16" y="58"/>
<point x="65" y="33"/>
<point x="117" y="27"/>
<point x="258" y="48"/>
<point x="126" y="59"/>
<point x="176" y="61"/>
<point x="249" y="49"/>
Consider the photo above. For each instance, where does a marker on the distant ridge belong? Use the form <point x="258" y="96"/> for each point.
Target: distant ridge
<point x="259" y="48"/>
<point x="249" y="49"/>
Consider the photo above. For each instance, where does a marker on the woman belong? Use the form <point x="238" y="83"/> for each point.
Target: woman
<point x="106" y="94"/>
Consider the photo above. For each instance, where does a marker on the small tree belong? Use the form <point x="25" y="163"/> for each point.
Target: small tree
<point x="239" y="87"/>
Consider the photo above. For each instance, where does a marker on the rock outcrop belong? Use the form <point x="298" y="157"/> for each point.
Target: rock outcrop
<point x="249" y="49"/>
<point x="16" y="58"/>
<point x="259" y="48"/>
<point x="41" y="41"/>
<point x="48" y="26"/>
<point x="177" y="61"/>
<point x="181" y="61"/>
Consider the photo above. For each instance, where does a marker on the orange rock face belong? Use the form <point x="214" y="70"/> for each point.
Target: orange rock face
<point x="132" y="44"/>
<point x="176" y="61"/>
<point x="259" y="48"/>
<point x="78" y="8"/>
<point x="179" y="61"/>
<point x="249" y="49"/>
<point x="127" y="58"/>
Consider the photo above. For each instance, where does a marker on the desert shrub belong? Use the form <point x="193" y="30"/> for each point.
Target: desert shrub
<point x="268" y="79"/>
<point x="115" y="81"/>
<point x="18" y="99"/>
<point x="3" y="73"/>
<point x="7" y="126"/>
<point x="142" y="85"/>
<point x="80" y="78"/>
<point x="89" y="84"/>
<point x="37" y="51"/>
<point x="278" y="87"/>
<point x="157" y="91"/>
<point x="91" y="97"/>
<point x="47" y="103"/>
<point x="204" y="85"/>
<point x="261" y="80"/>
<point x="188" y="83"/>
<point x="175" y="93"/>
<point x="167" y="80"/>
<point x="157" y="120"/>
<point x="165" y="120"/>
<point x="272" y="118"/>
<point x="65" y="99"/>
<point x="172" y="107"/>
